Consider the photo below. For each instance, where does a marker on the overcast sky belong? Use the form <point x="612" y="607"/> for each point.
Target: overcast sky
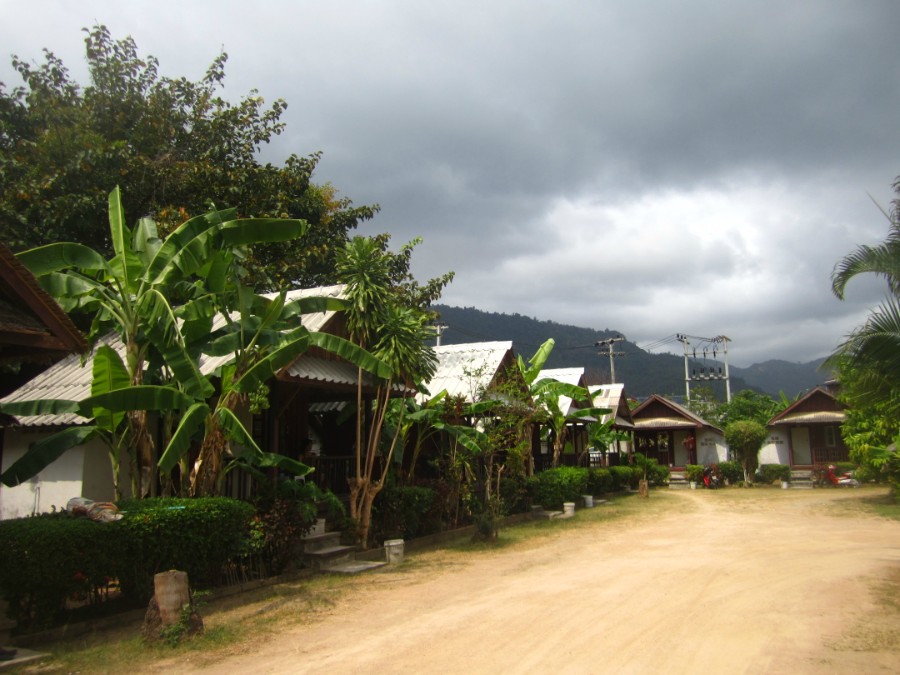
<point x="649" y="167"/>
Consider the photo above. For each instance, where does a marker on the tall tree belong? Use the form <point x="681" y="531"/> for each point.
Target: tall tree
<point x="173" y="145"/>
<point x="379" y="320"/>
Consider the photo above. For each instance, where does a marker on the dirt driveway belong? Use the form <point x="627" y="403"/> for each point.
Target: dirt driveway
<point x="771" y="582"/>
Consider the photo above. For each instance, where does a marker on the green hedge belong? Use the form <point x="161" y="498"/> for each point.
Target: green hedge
<point x="623" y="477"/>
<point x="197" y="536"/>
<point x="50" y="558"/>
<point x="600" y="481"/>
<point x="553" y="487"/>
<point x="404" y="512"/>
<point x="769" y="473"/>
<point x="732" y="471"/>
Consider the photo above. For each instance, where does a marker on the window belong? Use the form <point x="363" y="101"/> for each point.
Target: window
<point x="830" y="437"/>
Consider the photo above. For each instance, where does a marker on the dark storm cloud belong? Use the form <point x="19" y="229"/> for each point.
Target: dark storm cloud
<point x="652" y="167"/>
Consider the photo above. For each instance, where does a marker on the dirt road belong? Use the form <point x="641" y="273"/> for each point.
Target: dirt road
<point x="781" y="582"/>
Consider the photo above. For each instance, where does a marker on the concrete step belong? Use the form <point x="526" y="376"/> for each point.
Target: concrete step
<point x="316" y="542"/>
<point x="352" y="567"/>
<point x="546" y="515"/>
<point x="328" y="556"/>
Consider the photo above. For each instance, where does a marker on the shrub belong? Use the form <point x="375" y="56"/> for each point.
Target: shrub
<point x="657" y="474"/>
<point x="732" y="471"/>
<point x="514" y="494"/>
<point x="769" y="473"/>
<point x="404" y="512"/>
<point x="600" y="481"/>
<point x="285" y="512"/>
<point x="622" y="478"/>
<point x="198" y="536"/>
<point x="694" y="472"/>
<point x="51" y="558"/>
<point x="553" y="487"/>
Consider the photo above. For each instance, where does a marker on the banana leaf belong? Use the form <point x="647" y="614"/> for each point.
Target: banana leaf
<point x="243" y="231"/>
<point x="192" y="421"/>
<point x="351" y="352"/>
<point x="109" y="374"/>
<point x="60" y="256"/>
<point x="142" y="397"/>
<point x="40" y="407"/>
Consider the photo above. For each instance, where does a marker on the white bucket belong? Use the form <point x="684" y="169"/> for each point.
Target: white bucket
<point x="785" y="485"/>
<point x="569" y="508"/>
<point x="588" y="501"/>
<point x="393" y="551"/>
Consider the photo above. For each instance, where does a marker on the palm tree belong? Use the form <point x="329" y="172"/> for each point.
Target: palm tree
<point x="873" y="350"/>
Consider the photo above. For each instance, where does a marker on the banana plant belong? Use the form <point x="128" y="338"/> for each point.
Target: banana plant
<point x="136" y="293"/>
<point x="263" y="337"/>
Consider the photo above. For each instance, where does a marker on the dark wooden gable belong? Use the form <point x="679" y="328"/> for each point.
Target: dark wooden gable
<point x="33" y="327"/>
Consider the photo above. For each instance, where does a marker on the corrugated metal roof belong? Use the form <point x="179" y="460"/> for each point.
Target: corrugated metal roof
<point x="70" y="379"/>
<point x="608" y="396"/>
<point x="327" y="372"/>
<point x="819" y="417"/>
<point x="663" y="423"/>
<point x="466" y="369"/>
<point x="571" y="376"/>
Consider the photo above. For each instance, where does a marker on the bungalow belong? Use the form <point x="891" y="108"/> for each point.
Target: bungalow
<point x="577" y="444"/>
<point x="464" y="372"/>
<point x="468" y="370"/>
<point x="613" y="396"/>
<point x="675" y="436"/>
<point x="807" y="433"/>
<point x="290" y="426"/>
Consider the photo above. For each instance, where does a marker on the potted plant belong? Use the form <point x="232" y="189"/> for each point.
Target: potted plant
<point x="694" y="474"/>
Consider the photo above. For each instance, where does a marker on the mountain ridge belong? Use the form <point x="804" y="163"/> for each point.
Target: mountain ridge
<point x="642" y="372"/>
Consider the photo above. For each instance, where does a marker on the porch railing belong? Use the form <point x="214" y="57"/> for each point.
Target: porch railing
<point x="830" y="455"/>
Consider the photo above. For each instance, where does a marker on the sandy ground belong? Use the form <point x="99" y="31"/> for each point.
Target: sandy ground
<point x="793" y="583"/>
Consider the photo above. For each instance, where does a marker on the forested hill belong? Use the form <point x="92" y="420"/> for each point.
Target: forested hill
<point x="642" y="372"/>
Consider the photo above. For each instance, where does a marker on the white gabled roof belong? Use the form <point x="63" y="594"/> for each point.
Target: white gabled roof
<point x="571" y="376"/>
<point x="466" y="369"/>
<point x="607" y="396"/>
<point x="70" y="379"/>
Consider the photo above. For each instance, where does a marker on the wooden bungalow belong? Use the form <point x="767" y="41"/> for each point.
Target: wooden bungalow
<point x="302" y="422"/>
<point x="807" y="433"/>
<point x="464" y="373"/>
<point x="542" y="441"/>
<point x="675" y="436"/>
<point x="613" y="396"/>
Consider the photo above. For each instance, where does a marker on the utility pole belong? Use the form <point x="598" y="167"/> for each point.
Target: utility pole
<point x="439" y="329"/>
<point x="608" y="344"/>
<point x="706" y="345"/>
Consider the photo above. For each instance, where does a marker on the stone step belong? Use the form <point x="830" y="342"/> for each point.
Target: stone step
<point x="316" y="542"/>
<point x="352" y="566"/>
<point x="327" y="556"/>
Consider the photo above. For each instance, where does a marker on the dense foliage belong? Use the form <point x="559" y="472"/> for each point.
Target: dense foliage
<point x="869" y="358"/>
<point x="60" y="559"/>
<point x="174" y="146"/>
<point x="745" y="439"/>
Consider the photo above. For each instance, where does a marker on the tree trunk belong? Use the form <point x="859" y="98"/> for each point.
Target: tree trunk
<point x="208" y="466"/>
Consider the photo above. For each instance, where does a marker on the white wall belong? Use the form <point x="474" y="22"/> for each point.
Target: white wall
<point x="59" y="482"/>
<point x="711" y="448"/>
<point x="777" y="449"/>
